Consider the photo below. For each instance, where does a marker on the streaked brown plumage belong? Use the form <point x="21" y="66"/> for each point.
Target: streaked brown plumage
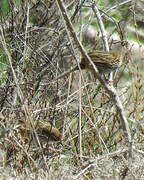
<point x="104" y="61"/>
<point x="45" y="130"/>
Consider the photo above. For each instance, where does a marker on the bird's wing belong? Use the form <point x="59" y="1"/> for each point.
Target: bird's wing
<point x="102" y="57"/>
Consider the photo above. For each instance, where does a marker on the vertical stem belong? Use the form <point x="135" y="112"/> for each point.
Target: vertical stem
<point x="80" y="96"/>
<point x="80" y="116"/>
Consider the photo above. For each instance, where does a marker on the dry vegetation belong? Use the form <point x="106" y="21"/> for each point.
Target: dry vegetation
<point x="69" y="128"/>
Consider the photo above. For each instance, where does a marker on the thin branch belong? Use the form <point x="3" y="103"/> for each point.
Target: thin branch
<point x="120" y="4"/>
<point x="94" y="162"/>
<point x="101" y="26"/>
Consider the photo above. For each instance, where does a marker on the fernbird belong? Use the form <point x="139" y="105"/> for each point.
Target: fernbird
<point x="44" y="129"/>
<point x="105" y="62"/>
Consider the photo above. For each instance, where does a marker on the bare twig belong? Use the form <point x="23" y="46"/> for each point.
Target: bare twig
<point x="120" y="4"/>
<point x="94" y="162"/>
<point x="101" y="25"/>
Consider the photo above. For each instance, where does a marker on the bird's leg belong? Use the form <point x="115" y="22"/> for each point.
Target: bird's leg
<point x="110" y="78"/>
